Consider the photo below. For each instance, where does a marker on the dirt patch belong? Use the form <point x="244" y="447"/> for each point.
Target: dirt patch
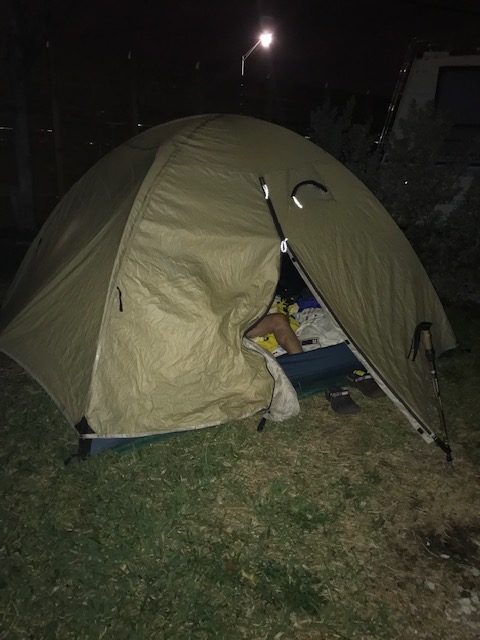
<point x="459" y="544"/>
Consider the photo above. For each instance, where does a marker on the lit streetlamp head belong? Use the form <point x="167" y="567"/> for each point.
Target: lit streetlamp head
<point x="266" y="39"/>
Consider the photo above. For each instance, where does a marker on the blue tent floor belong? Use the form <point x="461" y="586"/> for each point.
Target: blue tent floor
<point x="310" y="372"/>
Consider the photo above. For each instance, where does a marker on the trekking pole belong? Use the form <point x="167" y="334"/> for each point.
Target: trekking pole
<point x="430" y="355"/>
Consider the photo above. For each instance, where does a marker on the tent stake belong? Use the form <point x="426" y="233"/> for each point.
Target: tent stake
<point x="261" y="424"/>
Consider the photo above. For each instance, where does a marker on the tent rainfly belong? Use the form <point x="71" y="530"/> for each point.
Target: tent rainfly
<point x="131" y="305"/>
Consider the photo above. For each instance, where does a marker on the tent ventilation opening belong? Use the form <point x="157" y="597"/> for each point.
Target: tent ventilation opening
<point x="305" y="183"/>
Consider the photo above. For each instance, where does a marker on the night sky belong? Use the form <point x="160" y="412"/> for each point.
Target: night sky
<point x="186" y="59"/>
<point x="350" y="44"/>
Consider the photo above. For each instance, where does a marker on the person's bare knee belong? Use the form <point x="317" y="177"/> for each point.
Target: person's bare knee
<point x="285" y="335"/>
<point x="278" y="324"/>
<point x="262" y="327"/>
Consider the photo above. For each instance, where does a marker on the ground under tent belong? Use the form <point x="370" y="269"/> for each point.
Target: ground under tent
<point x="131" y="305"/>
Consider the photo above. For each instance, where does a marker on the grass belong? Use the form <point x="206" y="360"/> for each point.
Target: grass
<point x="322" y="527"/>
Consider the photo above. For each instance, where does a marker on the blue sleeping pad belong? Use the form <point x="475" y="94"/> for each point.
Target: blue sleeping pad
<point x="314" y="371"/>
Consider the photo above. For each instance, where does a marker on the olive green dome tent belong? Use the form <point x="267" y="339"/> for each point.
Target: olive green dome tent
<point x="131" y="305"/>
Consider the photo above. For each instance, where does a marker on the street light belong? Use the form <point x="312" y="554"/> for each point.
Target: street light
<point x="265" y="40"/>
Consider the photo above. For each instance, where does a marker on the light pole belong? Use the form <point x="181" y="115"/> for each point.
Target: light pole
<point x="265" y="40"/>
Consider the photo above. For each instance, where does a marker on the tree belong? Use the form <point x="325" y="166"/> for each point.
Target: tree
<point x="22" y="192"/>
<point x="453" y="250"/>
<point x="416" y="176"/>
<point x="351" y="142"/>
